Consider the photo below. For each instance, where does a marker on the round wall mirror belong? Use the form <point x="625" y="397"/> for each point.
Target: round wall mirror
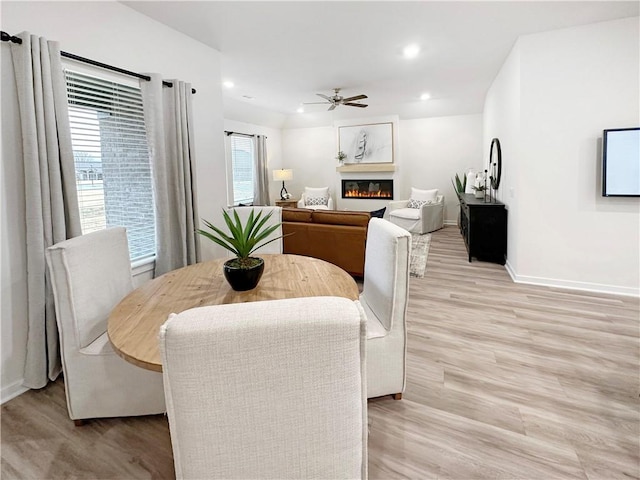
<point x="495" y="163"/>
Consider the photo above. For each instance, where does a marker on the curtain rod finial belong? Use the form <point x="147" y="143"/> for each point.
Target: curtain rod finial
<point x="5" y="37"/>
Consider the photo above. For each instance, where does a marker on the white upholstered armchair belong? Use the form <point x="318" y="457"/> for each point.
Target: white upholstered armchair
<point x="90" y="274"/>
<point x="267" y="389"/>
<point x="316" y="199"/>
<point x="422" y="213"/>
<point x="384" y="299"/>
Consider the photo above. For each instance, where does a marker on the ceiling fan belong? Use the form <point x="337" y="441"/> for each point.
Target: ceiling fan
<point x="337" y="99"/>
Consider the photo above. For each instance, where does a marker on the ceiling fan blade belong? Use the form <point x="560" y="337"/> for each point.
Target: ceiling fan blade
<point x="332" y="107"/>
<point x="323" y="96"/>
<point x="357" y="97"/>
<point x="315" y="103"/>
<point x="361" y="105"/>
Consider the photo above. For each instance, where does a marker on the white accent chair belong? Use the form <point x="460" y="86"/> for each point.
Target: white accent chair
<point x="384" y="298"/>
<point x="424" y="218"/>
<point x="276" y="217"/>
<point x="267" y="389"/>
<point x="309" y="198"/>
<point x="90" y="274"/>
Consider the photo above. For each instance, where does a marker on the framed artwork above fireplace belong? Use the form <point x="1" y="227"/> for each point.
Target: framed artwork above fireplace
<point x="369" y="143"/>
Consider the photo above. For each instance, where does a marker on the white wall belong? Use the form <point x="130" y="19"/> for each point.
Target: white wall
<point x="274" y="150"/>
<point x="310" y="153"/>
<point x="428" y="153"/>
<point x="115" y="34"/>
<point x="434" y="150"/>
<point x="502" y="121"/>
<point x="573" y="83"/>
<point x="245" y="112"/>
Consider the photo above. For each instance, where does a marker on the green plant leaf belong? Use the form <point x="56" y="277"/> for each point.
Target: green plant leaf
<point x="242" y="240"/>
<point x="218" y="237"/>
<point x="459" y="185"/>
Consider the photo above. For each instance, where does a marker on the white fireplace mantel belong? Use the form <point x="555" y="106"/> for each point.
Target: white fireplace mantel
<point x="366" y="167"/>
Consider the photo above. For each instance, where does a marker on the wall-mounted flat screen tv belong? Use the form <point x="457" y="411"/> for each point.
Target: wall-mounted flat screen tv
<point x="621" y="162"/>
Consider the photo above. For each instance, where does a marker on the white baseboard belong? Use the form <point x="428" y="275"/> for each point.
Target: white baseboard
<point x="572" y="285"/>
<point x="12" y="391"/>
<point x="510" y="271"/>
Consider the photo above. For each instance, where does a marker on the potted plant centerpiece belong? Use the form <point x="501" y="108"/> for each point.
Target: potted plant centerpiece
<point x="244" y="271"/>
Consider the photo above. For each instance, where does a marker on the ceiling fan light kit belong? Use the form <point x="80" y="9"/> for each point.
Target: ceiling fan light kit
<point x="338" y="99"/>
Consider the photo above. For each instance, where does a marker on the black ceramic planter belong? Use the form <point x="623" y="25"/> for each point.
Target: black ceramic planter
<point x="242" y="279"/>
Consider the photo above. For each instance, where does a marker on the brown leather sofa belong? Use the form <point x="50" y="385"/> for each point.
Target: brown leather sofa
<point x="337" y="237"/>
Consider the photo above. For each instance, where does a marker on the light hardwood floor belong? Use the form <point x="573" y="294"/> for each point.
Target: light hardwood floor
<point x="503" y="381"/>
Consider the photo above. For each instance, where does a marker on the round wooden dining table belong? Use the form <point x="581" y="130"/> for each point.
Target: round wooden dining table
<point x="134" y="323"/>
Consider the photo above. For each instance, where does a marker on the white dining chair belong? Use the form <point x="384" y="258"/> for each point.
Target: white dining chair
<point x="384" y="297"/>
<point x="90" y="274"/>
<point x="271" y="389"/>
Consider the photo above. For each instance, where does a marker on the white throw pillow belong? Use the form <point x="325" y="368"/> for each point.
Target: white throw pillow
<point x="417" y="203"/>
<point x="312" y="201"/>
<point x="425" y="195"/>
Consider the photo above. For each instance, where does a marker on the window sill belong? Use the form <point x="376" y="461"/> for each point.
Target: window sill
<point x="143" y="265"/>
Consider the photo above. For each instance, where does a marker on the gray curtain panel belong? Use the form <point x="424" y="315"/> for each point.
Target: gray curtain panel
<point x="261" y="185"/>
<point x="50" y="191"/>
<point x="168" y="120"/>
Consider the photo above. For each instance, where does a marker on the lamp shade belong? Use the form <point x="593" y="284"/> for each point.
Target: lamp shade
<point x="282" y="174"/>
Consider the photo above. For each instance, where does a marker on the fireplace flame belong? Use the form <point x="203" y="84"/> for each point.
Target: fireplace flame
<point x="361" y="194"/>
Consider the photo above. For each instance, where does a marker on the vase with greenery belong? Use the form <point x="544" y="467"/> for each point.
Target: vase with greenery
<point x="244" y="271"/>
<point x="479" y="190"/>
<point x="341" y="156"/>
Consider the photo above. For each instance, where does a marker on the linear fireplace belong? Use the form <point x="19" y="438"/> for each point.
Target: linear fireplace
<point x="371" y="189"/>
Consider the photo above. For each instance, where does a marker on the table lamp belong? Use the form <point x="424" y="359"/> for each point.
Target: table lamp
<point x="282" y="175"/>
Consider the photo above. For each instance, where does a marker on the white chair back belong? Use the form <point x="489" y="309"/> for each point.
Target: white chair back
<point x="90" y="274"/>
<point x="386" y="271"/>
<point x="267" y="389"/>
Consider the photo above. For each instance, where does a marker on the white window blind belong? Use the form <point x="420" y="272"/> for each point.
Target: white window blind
<point x="113" y="173"/>
<point x="242" y="162"/>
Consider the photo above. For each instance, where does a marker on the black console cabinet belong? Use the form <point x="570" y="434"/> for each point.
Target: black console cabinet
<point x="484" y="228"/>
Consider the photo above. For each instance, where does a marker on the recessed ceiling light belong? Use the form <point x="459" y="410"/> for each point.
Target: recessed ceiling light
<point x="411" y="51"/>
<point x="425" y="96"/>
<point x="228" y="84"/>
<point x="300" y="110"/>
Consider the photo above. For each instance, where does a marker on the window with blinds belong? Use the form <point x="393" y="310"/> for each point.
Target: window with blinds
<point x="242" y="166"/>
<point x="113" y="174"/>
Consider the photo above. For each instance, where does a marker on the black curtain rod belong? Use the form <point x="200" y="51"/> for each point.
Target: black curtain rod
<point x="10" y="38"/>
<point x="238" y="133"/>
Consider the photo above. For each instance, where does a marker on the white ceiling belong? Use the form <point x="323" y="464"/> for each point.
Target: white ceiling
<point x="283" y="53"/>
